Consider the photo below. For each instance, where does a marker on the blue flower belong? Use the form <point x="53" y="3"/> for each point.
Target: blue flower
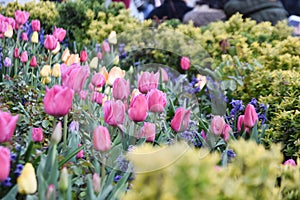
<point x="19" y="169"/>
<point x="237" y="106"/>
<point x="117" y="178"/>
<point x="7" y="182"/>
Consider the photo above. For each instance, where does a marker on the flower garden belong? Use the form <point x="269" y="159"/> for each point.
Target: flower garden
<point x="95" y="104"/>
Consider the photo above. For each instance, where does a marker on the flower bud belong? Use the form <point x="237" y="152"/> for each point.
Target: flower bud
<point x="57" y="134"/>
<point x="35" y="37"/>
<point x="96" y="182"/>
<point x="51" y="192"/>
<point x="63" y="180"/>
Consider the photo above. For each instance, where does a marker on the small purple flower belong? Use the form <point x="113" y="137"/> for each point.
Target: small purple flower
<point x="74" y="126"/>
<point x="117" y="178"/>
<point x="237" y="106"/>
<point x="7" y="62"/>
<point x="7" y="182"/>
<point x="18" y="170"/>
<point x="122" y="163"/>
<point x="254" y="102"/>
<point x="13" y="157"/>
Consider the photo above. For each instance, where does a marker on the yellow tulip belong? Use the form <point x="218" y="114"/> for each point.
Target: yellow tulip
<point x="104" y="72"/>
<point x="56" y="50"/>
<point x="56" y="70"/>
<point x="46" y="71"/>
<point x="35" y="37"/>
<point x="65" y="55"/>
<point x="116" y="60"/>
<point x="9" y="32"/>
<point x="46" y="80"/>
<point x="94" y="63"/>
<point x="114" y="73"/>
<point x="112" y="38"/>
<point x="73" y="58"/>
<point x="27" y="183"/>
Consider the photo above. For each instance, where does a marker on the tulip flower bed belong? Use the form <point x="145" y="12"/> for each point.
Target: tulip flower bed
<point x="71" y="123"/>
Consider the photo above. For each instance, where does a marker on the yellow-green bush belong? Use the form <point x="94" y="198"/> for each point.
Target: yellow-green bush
<point x="253" y="174"/>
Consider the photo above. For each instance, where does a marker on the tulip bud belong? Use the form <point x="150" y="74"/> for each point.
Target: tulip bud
<point x="59" y="33"/>
<point x="83" y="56"/>
<point x="185" y="63"/>
<point x="57" y="134"/>
<point x="290" y="162"/>
<point x="36" y="25"/>
<point x="138" y="109"/>
<point x="63" y="180"/>
<point x="217" y="124"/>
<point x="16" y="53"/>
<point x="251" y="116"/>
<point x="226" y="132"/>
<point x="35" y="37"/>
<point x="46" y="80"/>
<point x="46" y="71"/>
<point x="24" y="36"/>
<point x="57" y="48"/>
<point x="99" y="55"/>
<point x="80" y="154"/>
<point x="112" y="38"/>
<point x="50" y="42"/>
<point x="96" y="182"/>
<point x="27" y="183"/>
<point x="37" y="134"/>
<point x="24" y="57"/>
<point x="33" y="62"/>
<point x="181" y="119"/>
<point x="51" y="192"/>
<point x="56" y="70"/>
<point x="105" y="46"/>
<point x="121" y="89"/>
<point x="101" y="139"/>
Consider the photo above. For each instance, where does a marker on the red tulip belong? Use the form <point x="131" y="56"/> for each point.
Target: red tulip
<point x="148" y="81"/>
<point x="24" y="57"/>
<point x="138" y="108"/>
<point x="36" y="25"/>
<point x="5" y="163"/>
<point x="98" y="80"/>
<point x="157" y="101"/>
<point x="37" y="134"/>
<point x="33" y="62"/>
<point x="121" y="89"/>
<point x="21" y="17"/>
<point x="83" y="56"/>
<point x="16" y="53"/>
<point x="181" y="119"/>
<point x="59" y="34"/>
<point x="148" y="131"/>
<point x="114" y="112"/>
<point x="185" y="63"/>
<point x="50" y="42"/>
<point x="7" y="126"/>
<point x="101" y="139"/>
<point x="217" y="124"/>
<point x="80" y="154"/>
<point x="58" y="100"/>
<point x="75" y="76"/>
<point x="251" y="116"/>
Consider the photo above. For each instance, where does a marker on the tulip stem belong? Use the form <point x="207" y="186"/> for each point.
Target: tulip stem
<point x="65" y="130"/>
<point x="103" y="168"/>
<point x="133" y="136"/>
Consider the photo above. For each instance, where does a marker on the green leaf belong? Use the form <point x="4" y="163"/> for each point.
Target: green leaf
<point x="12" y="193"/>
<point x="69" y="156"/>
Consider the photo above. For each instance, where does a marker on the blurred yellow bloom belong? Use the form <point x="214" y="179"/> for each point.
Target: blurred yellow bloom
<point x="46" y="71"/>
<point x="65" y="55"/>
<point x="201" y="81"/>
<point x="46" y="80"/>
<point x="73" y="58"/>
<point x="112" y="38"/>
<point x="35" y="37"/>
<point x="116" y="60"/>
<point x="56" y="50"/>
<point x="9" y="32"/>
<point x="114" y="73"/>
<point x="27" y="183"/>
<point x="56" y="70"/>
<point x="94" y="63"/>
<point x="104" y="72"/>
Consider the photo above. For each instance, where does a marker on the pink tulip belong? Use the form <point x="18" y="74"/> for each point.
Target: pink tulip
<point x="99" y="55"/>
<point x="24" y="36"/>
<point x="7" y="126"/>
<point x="98" y="80"/>
<point x="148" y="131"/>
<point x="75" y="76"/>
<point x="58" y="100"/>
<point x="121" y="89"/>
<point x="80" y="154"/>
<point x="185" y="63"/>
<point x="5" y="163"/>
<point x="105" y="47"/>
<point x="251" y="116"/>
<point x="59" y="33"/>
<point x="3" y="26"/>
<point x="37" y="134"/>
<point x="21" y="17"/>
<point x="217" y="124"/>
<point x="240" y="123"/>
<point x="290" y="162"/>
<point x="33" y="62"/>
<point x="36" y="25"/>
<point x="10" y="21"/>
<point x="50" y="42"/>
<point x="16" y="53"/>
<point x="226" y="132"/>
<point x="114" y="112"/>
<point x="138" y="108"/>
<point x="83" y="56"/>
<point x="98" y="97"/>
<point x="157" y="101"/>
<point x="83" y="94"/>
<point x="164" y="75"/>
<point x="148" y="81"/>
<point x="181" y="119"/>
<point x="51" y="192"/>
<point x="24" y="57"/>
<point x="203" y="134"/>
<point x="101" y="139"/>
<point x="96" y="182"/>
